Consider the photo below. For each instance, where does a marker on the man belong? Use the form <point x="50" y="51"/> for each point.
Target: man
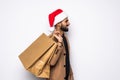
<point x="60" y="62"/>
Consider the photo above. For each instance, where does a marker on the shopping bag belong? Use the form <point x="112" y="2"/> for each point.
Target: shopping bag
<point x="42" y="67"/>
<point x="39" y="54"/>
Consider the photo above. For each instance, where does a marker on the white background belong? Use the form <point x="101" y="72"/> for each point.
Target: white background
<point x="94" y="36"/>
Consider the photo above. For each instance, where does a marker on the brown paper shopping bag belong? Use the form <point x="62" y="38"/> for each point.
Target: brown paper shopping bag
<point x="42" y="67"/>
<point x="37" y="56"/>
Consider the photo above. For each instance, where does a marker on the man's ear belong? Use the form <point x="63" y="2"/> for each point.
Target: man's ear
<point x="58" y="25"/>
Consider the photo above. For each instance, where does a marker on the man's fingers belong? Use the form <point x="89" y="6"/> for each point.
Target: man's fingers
<point x="56" y="32"/>
<point x="56" y="36"/>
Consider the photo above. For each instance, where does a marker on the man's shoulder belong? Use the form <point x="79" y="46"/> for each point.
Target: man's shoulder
<point x="50" y="35"/>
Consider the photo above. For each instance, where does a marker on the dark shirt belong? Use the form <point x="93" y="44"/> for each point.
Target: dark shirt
<point x="67" y="66"/>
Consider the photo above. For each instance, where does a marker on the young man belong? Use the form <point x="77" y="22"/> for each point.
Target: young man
<point x="60" y="62"/>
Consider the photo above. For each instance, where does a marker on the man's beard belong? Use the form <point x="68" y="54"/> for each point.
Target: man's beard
<point x="65" y="29"/>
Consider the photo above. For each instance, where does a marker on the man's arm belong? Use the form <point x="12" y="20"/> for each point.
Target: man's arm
<point x="57" y="54"/>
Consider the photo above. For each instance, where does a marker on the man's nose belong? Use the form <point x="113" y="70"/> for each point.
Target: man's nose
<point x="68" y="23"/>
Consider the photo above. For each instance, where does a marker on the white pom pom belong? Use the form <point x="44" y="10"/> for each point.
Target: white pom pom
<point x="52" y="28"/>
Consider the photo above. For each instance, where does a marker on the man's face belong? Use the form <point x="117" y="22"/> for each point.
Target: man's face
<point x="64" y="25"/>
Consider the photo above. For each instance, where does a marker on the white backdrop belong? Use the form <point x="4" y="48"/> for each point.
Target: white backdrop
<point x="94" y="36"/>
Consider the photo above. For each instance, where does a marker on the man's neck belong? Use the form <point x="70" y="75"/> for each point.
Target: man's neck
<point x="61" y="33"/>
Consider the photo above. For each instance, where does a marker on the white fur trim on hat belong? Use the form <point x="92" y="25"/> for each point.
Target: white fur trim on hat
<point x="59" y="18"/>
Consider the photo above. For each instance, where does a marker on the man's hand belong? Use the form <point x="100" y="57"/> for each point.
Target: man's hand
<point x="58" y="36"/>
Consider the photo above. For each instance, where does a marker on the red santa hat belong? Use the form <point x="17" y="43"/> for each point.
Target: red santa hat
<point x="56" y="17"/>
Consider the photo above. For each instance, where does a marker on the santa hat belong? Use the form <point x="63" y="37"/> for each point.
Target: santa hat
<point x="56" y="17"/>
